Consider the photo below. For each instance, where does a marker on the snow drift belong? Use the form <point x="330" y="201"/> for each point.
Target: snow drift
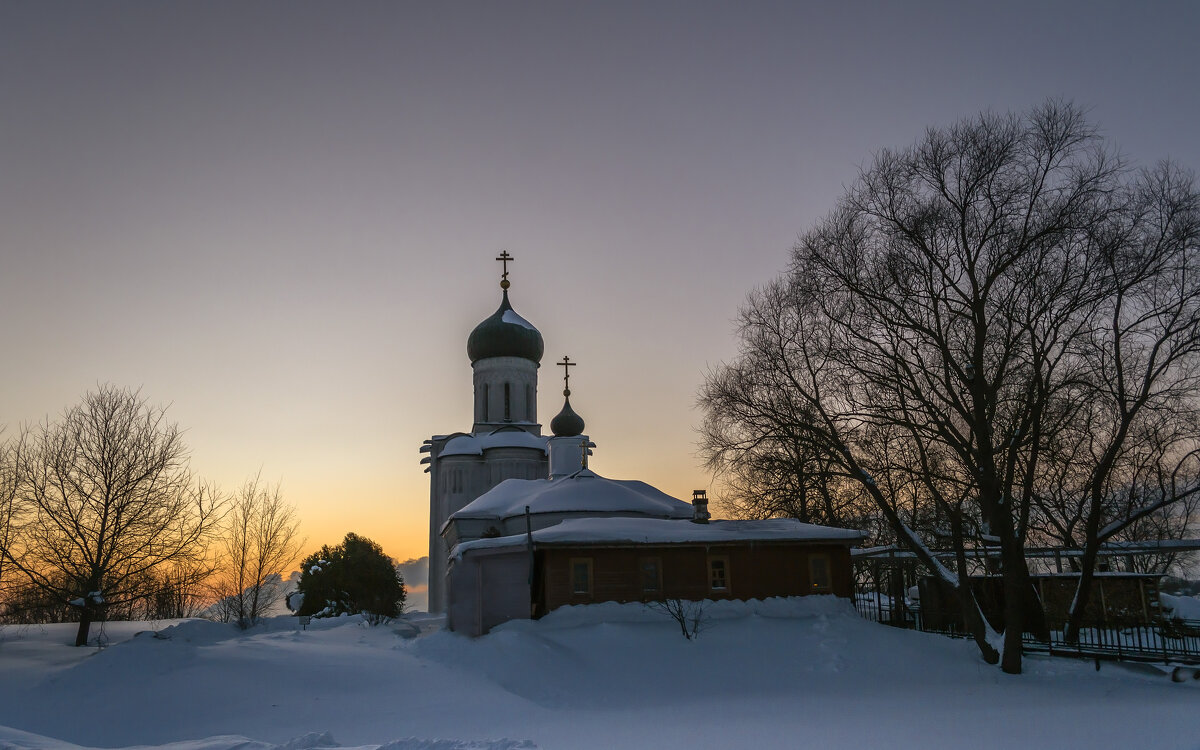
<point x="790" y="673"/>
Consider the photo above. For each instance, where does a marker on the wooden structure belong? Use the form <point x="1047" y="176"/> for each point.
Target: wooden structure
<point x="893" y="587"/>
<point x="584" y="573"/>
<point x="591" y="560"/>
<point x="1115" y="597"/>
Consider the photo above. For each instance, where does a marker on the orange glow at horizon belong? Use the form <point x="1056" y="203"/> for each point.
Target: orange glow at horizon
<point x="395" y="514"/>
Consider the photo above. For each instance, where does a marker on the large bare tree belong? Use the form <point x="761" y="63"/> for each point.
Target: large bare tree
<point x="110" y="500"/>
<point x="977" y="305"/>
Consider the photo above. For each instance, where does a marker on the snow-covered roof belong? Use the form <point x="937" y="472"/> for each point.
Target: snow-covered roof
<point x="583" y="491"/>
<point x="669" y="531"/>
<point x="475" y="445"/>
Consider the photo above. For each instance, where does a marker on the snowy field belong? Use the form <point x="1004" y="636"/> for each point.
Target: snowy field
<point x="803" y="673"/>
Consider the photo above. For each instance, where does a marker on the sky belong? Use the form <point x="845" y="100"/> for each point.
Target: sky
<point x="279" y="219"/>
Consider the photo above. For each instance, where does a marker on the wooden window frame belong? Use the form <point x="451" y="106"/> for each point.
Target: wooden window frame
<point x="813" y="585"/>
<point x="591" y="578"/>
<point x="724" y="559"/>
<point x="641" y="563"/>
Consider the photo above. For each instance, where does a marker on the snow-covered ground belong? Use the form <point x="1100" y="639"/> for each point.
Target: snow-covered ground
<point x="1182" y="607"/>
<point x="781" y="673"/>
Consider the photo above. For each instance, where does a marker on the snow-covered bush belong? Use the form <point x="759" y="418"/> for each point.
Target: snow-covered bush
<point x="352" y="577"/>
<point x="294" y="601"/>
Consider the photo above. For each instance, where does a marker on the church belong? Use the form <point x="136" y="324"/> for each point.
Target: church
<point x="519" y="524"/>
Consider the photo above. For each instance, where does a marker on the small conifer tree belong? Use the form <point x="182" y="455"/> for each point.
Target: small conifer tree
<point x="352" y="577"/>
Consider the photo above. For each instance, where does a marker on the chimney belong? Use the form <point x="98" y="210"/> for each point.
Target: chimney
<point x="700" y="506"/>
<point x="569" y="454"/>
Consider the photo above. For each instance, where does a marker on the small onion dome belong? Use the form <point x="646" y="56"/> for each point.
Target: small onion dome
<point x="505" y="334"/>
<point x="567" y="423"/>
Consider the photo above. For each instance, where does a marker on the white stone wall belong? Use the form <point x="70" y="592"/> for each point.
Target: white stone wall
<point x="454" y="481"/>
<point x="491" y="376"/>
<point x="568" y="455"/>
<point x="487" y="588"/>
<point x="457" y="480"/>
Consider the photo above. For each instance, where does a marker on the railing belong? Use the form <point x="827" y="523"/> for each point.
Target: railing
<point x="1168" y="641"/>
<point x="878" y="607"/>
<point x="1162" y="640"/>
<point x="882" y="609"/>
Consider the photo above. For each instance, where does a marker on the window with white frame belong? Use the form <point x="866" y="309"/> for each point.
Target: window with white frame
<point x="718" y="573"/>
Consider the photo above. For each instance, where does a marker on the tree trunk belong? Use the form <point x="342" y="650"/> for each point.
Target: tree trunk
<point x="85" y="624"/>
<point x="978" y="628"/>
<point x="1016" y="597"/>
<point x="1083" y="593"/>
<point x="973" y="619"/>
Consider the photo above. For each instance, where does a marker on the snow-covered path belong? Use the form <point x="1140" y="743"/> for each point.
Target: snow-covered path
<point x="782" y="673"/>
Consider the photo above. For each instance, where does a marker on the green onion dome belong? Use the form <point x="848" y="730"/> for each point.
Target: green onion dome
<point x="505" y="334"/>
<point x="567" y="423"/>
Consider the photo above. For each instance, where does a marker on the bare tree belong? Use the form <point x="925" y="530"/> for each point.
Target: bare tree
<point x="782" y="476"/>
<point x="1144" y="361"/>
<point x="181" y="590"/>
<point x="111" y="500"/>
<point x="790" y="378"/>
<point x="9" y="519"/>
<point x="8" y="504"/>
<point x="688" y="615"/>
<point x="259" y="541"/>
<point x="985" y="313"/>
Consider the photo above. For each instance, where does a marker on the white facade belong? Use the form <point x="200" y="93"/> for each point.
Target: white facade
<point x="505" y="393"/>
<point x="455" y="480"/>
<point x="505" y="441"/>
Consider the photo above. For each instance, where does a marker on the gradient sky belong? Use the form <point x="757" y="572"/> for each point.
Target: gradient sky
<point x="280" y="218"/>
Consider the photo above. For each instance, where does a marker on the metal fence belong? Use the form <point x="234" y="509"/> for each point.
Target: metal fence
<point x="879" y="607"/>
<point x="902" y="614"/>
<point x="1163" y="640"/>
<point x="1159" y="640"/>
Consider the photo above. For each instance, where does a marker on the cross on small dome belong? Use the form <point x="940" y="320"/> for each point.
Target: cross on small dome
<point x="567" y="423"/>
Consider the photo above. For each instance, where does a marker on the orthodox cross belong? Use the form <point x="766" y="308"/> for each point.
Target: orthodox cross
<point x="565" y="364"/>
<point x="504" y="258"/>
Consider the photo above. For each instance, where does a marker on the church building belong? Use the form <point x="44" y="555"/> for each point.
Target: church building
<point x="519" y="524"/>
<point x="505" y="441"/>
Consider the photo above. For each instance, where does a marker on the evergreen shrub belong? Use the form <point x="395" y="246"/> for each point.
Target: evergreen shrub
<point x="351" y="578"/>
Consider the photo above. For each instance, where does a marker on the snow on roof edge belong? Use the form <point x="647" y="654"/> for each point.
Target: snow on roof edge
<point x="658" y="531"/>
